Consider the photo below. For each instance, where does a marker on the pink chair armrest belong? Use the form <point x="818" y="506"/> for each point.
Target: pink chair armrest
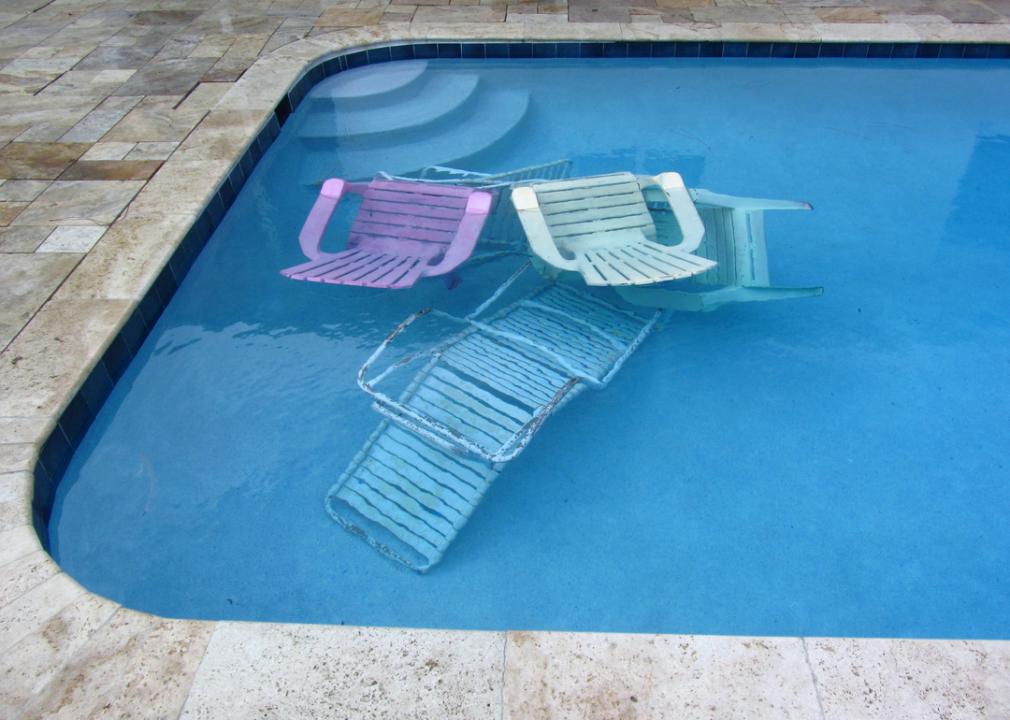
<point x="315" y="224"/>
<point x="478" y="205"/>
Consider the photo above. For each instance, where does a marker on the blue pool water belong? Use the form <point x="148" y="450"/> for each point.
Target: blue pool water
<point x="826" y="466"/>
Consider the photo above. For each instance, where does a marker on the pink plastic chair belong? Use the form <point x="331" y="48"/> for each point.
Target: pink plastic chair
<point x="403" y="231"/>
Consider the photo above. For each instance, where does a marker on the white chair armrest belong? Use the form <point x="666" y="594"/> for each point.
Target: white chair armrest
<point x="692" y="229"/>
<point x="537" y="232"/>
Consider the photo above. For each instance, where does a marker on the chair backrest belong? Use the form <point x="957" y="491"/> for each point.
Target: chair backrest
<point x="584" y="206"/>
<point x="408" y="218"/>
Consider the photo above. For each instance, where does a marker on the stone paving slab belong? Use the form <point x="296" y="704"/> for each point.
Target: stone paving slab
<point x="106" y="86"/>
<point x="26" y="281"/>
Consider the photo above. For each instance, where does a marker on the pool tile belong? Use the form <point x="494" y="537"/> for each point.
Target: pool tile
<point x="974" y="51"/>
<point x="666" y="48"/>
<point x="55" y="453"/>
<point x="904" y="50"/>
<point x="711" y="49"/>
<point x="472" y="51"/>
<point x="561" y="675"/>
<point x="688" y="49"/>
<point x="857" y="50"/>
<point x="832" y="50"/>
<point x="783" y="50"/>
<point x="928" y="50"/>
<point x="496" y="50"/>
<point x="376" y="55"/>
<point x="952" y="50"/>
<point x="165" y="285"/>
<point x="397" y="52"/>
<point x="425" y="51"/>
<point x="449" y="50"/>
<point x="350" y="671"/>
<point x="639" y="49"/>
<point x="545" y="50"/>
<point x="115" y="360"/>
<point x="356" y="60"/>
<point x="734" y="49"/>
<point x="807" y="50"/>
<point x="98" y="385"/>
<point x="520" y="50"/>
<point x="77" y="415"/>
<point x="568" y="49"/>
<point x="879" y="50"/>
<point x="759" y="49"/>
<point x="615" y="49"/>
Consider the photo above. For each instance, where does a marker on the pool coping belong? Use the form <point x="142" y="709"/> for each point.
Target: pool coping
<point x="79" y="653"/>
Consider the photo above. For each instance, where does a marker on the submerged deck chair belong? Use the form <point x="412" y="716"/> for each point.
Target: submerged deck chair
<point x="476" y="402"/>
<point x="735" y="239"/>
<point x="601" y="228"/>
<point x="502" y="231"/>
<point x="403" y="231"/>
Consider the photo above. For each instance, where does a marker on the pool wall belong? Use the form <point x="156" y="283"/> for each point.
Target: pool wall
<point x="171" y="219"/>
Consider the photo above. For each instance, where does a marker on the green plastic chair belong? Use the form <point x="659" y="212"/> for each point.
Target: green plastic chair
<point x="734" y="239"/>
<point x="601" y="228"/>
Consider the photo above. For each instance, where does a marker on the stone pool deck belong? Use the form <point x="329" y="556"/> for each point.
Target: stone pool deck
<point x="118" y="120"/>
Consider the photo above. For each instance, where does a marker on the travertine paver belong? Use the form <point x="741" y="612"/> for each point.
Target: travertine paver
<point x="859" y="679"/>
<point x="561" y="675"/>
<point x="346" y="672"/>
<point x="96" y="95"/>
<point x="138" y="666"/>
<point x="27" y="281"/>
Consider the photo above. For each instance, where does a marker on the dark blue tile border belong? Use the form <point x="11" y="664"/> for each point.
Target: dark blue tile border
<point x="59" y="447"/>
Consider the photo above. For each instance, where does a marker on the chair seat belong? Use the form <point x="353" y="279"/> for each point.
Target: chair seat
<point x="360" y="267"/>
<point x="627" y="257"/>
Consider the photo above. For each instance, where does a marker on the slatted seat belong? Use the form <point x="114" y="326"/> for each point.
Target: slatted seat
<point x="475" y="405"/>
<point x="601" y="228"/>
<point x="403" y="231"/>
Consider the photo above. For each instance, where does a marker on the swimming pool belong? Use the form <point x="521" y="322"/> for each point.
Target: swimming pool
<point x="828" y="466"/>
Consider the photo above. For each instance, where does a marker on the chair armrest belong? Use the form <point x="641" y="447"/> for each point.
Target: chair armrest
<point x="478" y="205"/>
<point x="315" y="224"/>
<point x="691" y="227"/>
<point x="537" y="233"/>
